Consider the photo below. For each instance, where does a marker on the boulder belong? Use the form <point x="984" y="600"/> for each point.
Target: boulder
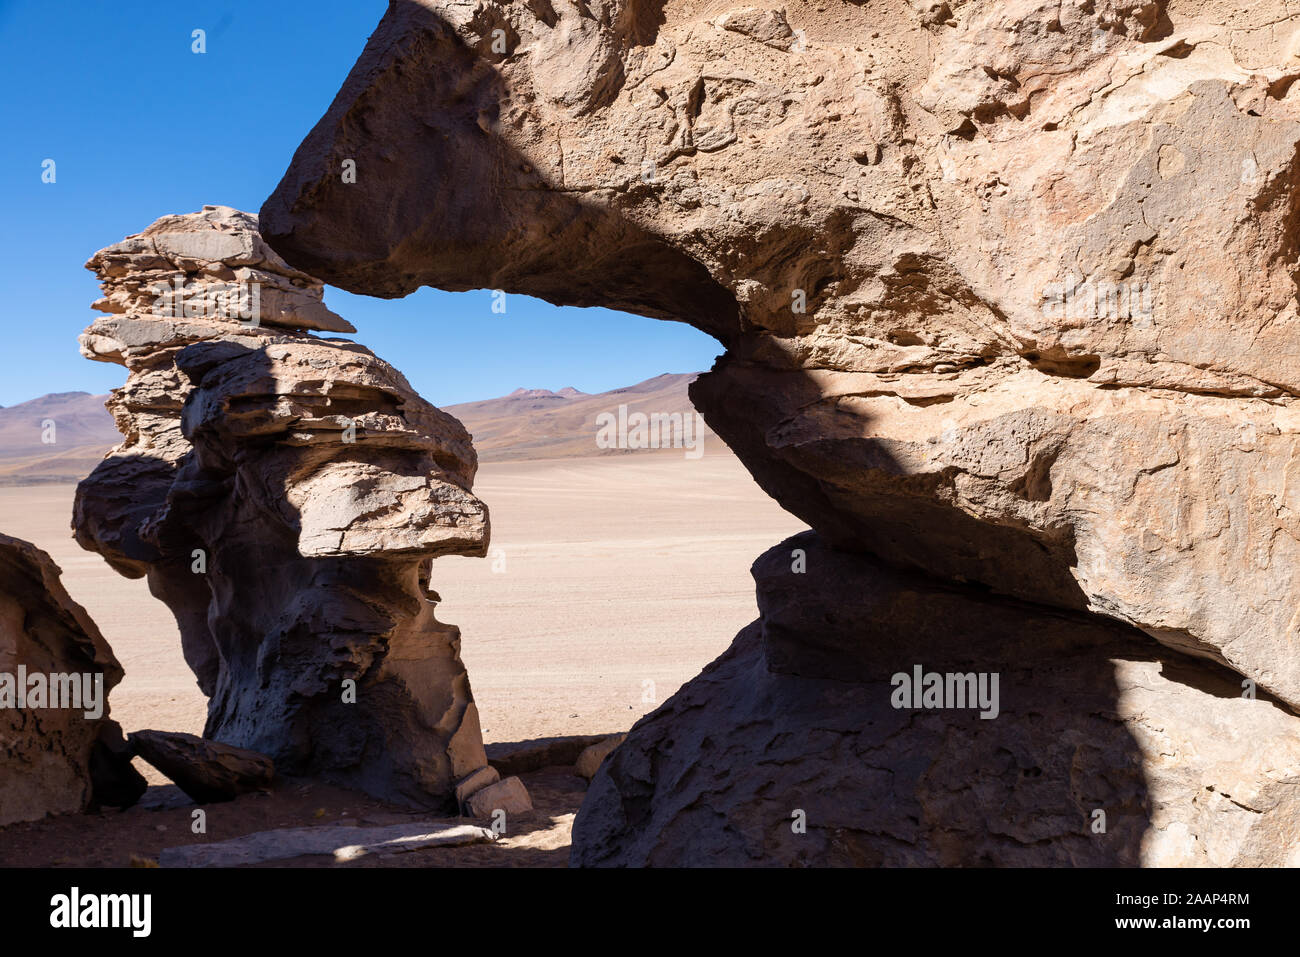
<point x="590" y="760"/>
<point x="508" y="794"/>
<point x="207" y="771"/>
<point x="521" y="757"/>
<point x="1095" y="747"/>
<point x="114" y="779"/>
<point x="477" y="781"/>
<point x="60" y="752"/>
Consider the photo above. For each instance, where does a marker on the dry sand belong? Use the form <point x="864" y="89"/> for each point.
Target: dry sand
<point x="617" y="579"/>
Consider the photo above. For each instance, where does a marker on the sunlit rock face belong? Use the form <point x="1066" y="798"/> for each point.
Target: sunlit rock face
<point x="1007" y="289"/>
<point x="284" y="494"/>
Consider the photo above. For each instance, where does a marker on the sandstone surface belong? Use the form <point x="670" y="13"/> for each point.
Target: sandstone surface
<point x="1106" y="750"/>
<point x="982" y="279"/>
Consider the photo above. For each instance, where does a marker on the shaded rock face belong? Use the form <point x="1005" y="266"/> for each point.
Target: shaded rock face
<point x="1105" y="750"/>
<point x="1007" y="289"/>
<point x="284" y="494"/>
<point x="54" y="759"/>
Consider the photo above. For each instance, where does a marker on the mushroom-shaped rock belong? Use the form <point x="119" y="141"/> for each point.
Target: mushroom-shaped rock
<point x="284" y="494"/>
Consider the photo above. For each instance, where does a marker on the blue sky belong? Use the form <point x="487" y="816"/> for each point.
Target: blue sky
<point x="140" y="126"/>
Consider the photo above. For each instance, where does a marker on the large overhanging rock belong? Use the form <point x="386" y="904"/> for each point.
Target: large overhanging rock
<point x="1046" y="254"/>
<point x="285" y="494"/>
<point x="1008" y="289"/>
<point x="59" y="751"/>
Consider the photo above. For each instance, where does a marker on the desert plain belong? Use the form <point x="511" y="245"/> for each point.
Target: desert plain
<point x="610" y="581"/>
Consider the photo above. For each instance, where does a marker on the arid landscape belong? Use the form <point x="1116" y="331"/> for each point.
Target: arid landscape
<point x="662" y="434"/>
<point x="85" y="431"/>
<point x="561" y="638"/>
<point x="573" y="627"/>
<point x="526" y="425"/>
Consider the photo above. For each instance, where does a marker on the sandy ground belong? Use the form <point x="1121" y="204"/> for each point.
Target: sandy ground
<point x="611" y="581"/>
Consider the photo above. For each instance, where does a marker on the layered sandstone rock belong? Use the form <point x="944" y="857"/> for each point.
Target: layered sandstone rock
<point x="284" y="494"/>
<point x="58" y="751"/>
<point x="1007" y="288"/>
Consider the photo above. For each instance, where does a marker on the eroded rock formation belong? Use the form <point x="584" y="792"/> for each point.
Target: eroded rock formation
<point x="1008" y="293"/>
<point x="284" y="493"/>
<point x="59" y="750"/>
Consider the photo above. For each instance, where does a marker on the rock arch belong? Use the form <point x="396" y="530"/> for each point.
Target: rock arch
<point x="961" y="418"/>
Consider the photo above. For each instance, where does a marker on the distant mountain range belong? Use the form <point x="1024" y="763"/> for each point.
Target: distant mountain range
<point x="539" y="424"/>
<point x="82" y="432"/>
<point x="526" y="424"/>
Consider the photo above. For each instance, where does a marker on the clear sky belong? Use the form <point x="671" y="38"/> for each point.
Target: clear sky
<point x="140" y="126"/>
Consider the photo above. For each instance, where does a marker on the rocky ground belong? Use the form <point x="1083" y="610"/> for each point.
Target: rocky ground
<point x="137" y="836"/>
